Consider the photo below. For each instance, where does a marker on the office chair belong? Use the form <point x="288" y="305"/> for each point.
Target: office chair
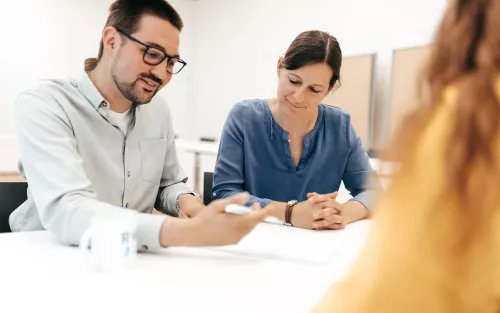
<point x="208" y="182"/>
<point x="12" y="195"/>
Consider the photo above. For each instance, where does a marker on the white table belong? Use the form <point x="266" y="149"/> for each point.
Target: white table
<point x="39" y="274"/>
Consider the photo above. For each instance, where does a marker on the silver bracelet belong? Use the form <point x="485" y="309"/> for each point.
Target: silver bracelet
<point x="185" y="193"/>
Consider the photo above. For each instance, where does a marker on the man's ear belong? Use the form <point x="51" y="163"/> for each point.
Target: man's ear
<point x="110" y="39"/>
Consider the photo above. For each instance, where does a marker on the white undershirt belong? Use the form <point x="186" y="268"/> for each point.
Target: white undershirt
<point x="120" y="120"/>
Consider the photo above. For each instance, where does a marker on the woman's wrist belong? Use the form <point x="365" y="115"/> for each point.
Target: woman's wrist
<point x="278" y="209"/>
<point x="354" y="211"/>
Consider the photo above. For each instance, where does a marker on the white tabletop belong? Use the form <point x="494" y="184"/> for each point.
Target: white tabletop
<point x="39" y="274"/>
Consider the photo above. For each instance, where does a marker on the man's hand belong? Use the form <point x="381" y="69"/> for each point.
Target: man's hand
<point x="339" y="215"/>
<point x="212" y="226"/>
<point x="190" y="206"/>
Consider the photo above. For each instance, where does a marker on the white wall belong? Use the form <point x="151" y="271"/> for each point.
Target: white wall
<point x="178" y="93"/>
<point x="44" y="39"/>
<point x="239" y="41"/>
<point x="41" y="39"/>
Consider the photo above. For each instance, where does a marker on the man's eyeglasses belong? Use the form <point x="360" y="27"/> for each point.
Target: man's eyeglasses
<point x="154" y="56"/>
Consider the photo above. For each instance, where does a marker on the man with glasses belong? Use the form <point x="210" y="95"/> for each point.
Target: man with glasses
<point x="102" y="144"/>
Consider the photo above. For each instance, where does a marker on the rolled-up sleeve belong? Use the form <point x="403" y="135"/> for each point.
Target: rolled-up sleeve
<point x="360" y="179"/>
<point x="173" y="179"/>
<point x="62" y="193"/>
<point x="229" y="177"/>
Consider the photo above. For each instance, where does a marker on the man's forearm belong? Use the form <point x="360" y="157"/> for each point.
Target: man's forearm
<point x="177" y="233"/>
<point x="168" y="196"/>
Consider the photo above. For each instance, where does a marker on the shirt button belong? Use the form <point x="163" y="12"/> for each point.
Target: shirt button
<point x="104" y="104"/>
<point x="126" y="205"/>
<point x="128" y="174"/>
<point x="145" y="247"/>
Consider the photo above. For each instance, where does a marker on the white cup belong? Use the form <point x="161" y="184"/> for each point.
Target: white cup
<point x="111" y="242"/>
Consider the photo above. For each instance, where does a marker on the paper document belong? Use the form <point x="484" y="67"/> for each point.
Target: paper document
<point x="288" y="243"/>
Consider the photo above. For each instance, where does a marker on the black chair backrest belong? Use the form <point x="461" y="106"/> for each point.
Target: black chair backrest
<point x="208" y="182"/>
<point x="12" y="195"/>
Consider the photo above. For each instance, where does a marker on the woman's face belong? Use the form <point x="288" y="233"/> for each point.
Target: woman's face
<point x="301" y="91"/>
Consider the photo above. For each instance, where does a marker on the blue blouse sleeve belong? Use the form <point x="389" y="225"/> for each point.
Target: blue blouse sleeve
<point x="229" y="174"/>
<point x="359" y="177"/>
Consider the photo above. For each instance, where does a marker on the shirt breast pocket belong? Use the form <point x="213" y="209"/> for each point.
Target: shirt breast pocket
<point x="152" y="159"/>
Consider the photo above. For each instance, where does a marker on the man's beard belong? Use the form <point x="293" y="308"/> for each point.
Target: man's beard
<point x="128" y="89"/>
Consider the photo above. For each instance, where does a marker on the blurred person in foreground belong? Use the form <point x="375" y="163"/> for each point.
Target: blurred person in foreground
<point x="435" y="241"/>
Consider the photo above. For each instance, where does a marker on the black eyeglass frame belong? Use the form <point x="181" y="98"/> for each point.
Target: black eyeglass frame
<point x="148" y="47"/>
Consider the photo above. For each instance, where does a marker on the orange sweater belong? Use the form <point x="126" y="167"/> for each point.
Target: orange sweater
<point x="408" y="263"/>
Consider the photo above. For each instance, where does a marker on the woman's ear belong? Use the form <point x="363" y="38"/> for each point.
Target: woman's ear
<point x="335" y="86"/>
<point x="279" y="65"/>
<point x="330" y="90"/>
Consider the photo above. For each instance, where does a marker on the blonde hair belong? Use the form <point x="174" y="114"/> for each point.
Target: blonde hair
<point x="465" y="55"/>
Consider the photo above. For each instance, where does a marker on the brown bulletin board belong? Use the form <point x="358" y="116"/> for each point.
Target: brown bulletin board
<point x="355" y="93"/>
<point x="406" y="68"/>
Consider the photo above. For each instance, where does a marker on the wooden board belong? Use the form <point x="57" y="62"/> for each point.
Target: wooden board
<point x="407" y="66"/>
<point x="355" y="92"/>
<point x="11" y="177"/>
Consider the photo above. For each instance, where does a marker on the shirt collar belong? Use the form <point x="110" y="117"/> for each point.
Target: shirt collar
<point x="307" y="138"/>
<point x="87" y="87"/>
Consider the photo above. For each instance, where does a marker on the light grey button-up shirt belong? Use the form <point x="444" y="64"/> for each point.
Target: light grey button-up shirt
<point x="78" y="164"/>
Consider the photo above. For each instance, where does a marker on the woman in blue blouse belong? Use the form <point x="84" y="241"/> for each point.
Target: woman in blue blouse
<point x="291" y="153"/>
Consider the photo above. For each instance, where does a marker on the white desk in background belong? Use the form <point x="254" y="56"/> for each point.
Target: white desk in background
<point x="39" y="274"/>
<point x="198" y="148"/>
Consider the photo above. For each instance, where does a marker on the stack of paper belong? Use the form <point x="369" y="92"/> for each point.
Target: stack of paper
<point x="288" y="243"/>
